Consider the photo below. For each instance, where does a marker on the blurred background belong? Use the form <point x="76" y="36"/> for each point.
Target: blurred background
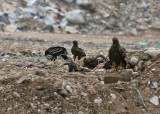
<point x="121" y="17"/>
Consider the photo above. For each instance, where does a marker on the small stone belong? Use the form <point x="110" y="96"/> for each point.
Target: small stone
<point x="134" y="60"/>
<point x="153" y="69"/>
<point x="57" y="83"/>
<point x="98" y="101"/>
<point x="9" y="109"/>
<point x="67" y="99"/>
<point x="1" y="88"/>
<point x="141" y="65"/>
<point x="63" y="93"/>
<point x="84" y="94"/>
<point x="39" y="73"/>
<point x="15" y="94"/>
<point x="113" y="96"/>
<point x="36" y="60"/>
<point x="84" y="3"/>
<point x="7" y="56"/>
<point x="47" y="105"/>
<point x="69" y="1"/>
<point x="22" y="79"/>
<point x="80" y="112"/>
<point x="134" y="32"/>
<point x="136" y="102"/>
<point x="135" y="74"/>
<point x="49" y="28"/>
<point x="154" y="85"/>
<point x="100" y="70"/>
<point x="69" y="88"/>
<point x="155" y="100"/>
<point x="4" y="60"/>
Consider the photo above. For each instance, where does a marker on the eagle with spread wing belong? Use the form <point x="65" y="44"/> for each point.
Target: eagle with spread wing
<point x="117" y="55"/>
<point x="53" y="52"/>
<point x="76" y="51"/>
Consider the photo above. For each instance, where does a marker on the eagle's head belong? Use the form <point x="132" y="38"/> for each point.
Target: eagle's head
<point x="115" y="41"/>
<point x="75" y="43"/>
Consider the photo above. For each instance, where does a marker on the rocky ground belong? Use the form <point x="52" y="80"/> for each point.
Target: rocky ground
<point x="29" y="83"/>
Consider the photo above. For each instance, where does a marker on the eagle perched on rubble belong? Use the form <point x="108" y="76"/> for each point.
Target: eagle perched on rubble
<point x="117" y="55"/>
<point x="53" y="52"/>
<point x="76" y="51"/>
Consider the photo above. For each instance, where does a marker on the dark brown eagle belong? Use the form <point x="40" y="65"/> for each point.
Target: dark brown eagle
<point x="92" y="62"/>
<point x="53" y="52"/>
<point x="76" y="51"/>
<point x="117" y="55"/>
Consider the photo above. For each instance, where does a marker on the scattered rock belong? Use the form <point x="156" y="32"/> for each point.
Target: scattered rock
<point x="63" y="93"/>
<point x="84" y="94"/>
<point x="49" y="28"/>
<point x="134" y="60"/>
<point x="21" y="80"/>
<point x="136" y="102"/>
<point x="39" y="73"/>
<point x="69" y="1"/>
<point x="57" y="83"/>
<point x="98" y="101"/>
<point x="15" y="94"/>
<point x="68" y="88"/>
<point x="2" y="88"/>
<point x="87" y="4"/>
<point x="127" y="74"/>
<point x="155" y="100"/>
<point x="154" y="84"/>
<point x="136" y="74"/>
<point x="141" y="65"/>
<point x="113" y="96"/>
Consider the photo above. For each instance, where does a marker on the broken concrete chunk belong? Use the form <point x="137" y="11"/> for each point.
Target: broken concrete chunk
<point x="112" y="78"/>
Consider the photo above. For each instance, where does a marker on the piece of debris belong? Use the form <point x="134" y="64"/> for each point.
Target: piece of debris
<point x="155" y="100"/>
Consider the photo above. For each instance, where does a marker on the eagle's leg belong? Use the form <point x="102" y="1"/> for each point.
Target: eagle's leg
<point x="79" y="57"/>
<point x="54" y="59"/>
<point x="74" y="57"/>
<point x="114" y="66"/>
<point x="121" y="66"/>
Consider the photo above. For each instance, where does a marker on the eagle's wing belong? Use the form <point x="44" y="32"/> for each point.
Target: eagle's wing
<point x="111" y="53"/>
<point x="123" y="56"/>
<point x="122" y="52"/>
<point x="55" y="51"/>
<point x="80" y="52"/>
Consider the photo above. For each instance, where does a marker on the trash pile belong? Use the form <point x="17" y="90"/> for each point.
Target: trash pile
<point x="80" y="16"/>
